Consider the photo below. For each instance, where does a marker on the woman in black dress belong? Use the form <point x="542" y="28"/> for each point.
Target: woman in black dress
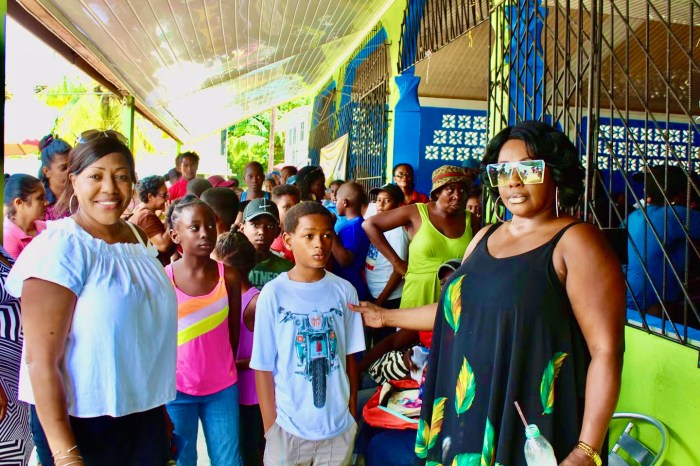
<point x="535" y="314"/>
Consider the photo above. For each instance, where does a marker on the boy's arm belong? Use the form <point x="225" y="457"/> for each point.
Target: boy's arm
<point x="265" y="385"/>
<point x="351" y="368"/>
<point x="391" y="284"/>
<point x="343" y="256"/>
<point x="233" y="289"/>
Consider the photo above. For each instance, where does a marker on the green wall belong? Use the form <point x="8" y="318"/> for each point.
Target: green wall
<point x="661" y="378"/>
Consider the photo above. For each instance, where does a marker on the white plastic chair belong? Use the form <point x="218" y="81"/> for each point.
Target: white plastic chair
<point x="634" y="448"/>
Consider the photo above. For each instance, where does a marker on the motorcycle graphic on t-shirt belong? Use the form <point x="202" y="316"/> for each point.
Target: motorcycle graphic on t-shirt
<point x="316" y="346"/>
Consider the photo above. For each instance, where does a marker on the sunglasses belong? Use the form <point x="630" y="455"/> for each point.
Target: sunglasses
<point x="93" y="134"/>
<point x="529" y="171"/>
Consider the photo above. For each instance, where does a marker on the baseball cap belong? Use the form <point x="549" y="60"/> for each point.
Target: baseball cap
<point x="218" y="181"/>
<point x="258" y="207"/>
<point x="393" y="190"/>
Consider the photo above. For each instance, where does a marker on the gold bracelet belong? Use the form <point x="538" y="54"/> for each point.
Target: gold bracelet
<point x="590" y="452"/>
<point x="58" y="452"/>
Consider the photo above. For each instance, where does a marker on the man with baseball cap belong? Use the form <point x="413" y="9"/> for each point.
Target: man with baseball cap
<point x="261" y="225"/>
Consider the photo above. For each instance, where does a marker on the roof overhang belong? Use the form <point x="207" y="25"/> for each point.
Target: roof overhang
<point x="195" y="67"/>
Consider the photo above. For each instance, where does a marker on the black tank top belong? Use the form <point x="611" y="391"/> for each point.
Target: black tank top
<point x="504" y="332"/>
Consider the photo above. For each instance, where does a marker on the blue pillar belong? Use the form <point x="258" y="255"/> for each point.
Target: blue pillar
<point x="525" y="57"/>
<point x="407" y="122"/>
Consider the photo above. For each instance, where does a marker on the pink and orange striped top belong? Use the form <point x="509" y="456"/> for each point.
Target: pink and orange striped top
<point x="205" y="362"/>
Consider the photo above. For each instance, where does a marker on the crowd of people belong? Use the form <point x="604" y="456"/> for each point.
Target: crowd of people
<point x="152" y="306"/>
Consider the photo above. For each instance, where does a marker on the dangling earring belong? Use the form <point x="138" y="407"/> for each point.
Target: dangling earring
<point x="70" y="204"/>
<point x="495" y="209"/>
<point x="556" y="200"/>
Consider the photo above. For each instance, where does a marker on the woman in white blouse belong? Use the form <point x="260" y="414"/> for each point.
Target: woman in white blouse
<point x="100" y="322"/>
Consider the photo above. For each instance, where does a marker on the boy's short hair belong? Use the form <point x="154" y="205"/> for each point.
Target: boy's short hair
<point x="285" y="190"/>
<point x="255" y="164"/>
<point x="234" y="249"/>
<point x="291" y="220"/>
<point x="224" y="203"/>
<point x="197" y="186"/>
<point x="187" y="155"/>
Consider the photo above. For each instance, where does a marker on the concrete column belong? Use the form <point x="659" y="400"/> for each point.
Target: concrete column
<point x="407" y="122"/>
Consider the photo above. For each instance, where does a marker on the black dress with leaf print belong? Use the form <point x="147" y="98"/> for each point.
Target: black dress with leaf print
<point x="504" y="332"/>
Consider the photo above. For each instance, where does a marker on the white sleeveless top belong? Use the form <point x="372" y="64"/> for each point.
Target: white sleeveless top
<point x="121" y="349"/>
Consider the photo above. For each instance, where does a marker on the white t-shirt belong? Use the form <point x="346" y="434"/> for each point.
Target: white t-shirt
<point x="378" y="269"/>
<point x="121" y="349"/>
<point x="303" y="331"/>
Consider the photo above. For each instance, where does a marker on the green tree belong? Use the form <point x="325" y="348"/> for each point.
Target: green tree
<point x="84" y="105"/>
<point x="248" y="140"/>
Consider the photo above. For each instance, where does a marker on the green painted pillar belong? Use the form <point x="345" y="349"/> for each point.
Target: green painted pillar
<point x="128" y="120"/>
<point x="3" y="15"/>
<point x="499" y="102"/>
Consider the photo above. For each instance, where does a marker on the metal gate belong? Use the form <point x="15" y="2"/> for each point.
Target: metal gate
<point x="362" y="114"/>
<point x="620" y="77"/>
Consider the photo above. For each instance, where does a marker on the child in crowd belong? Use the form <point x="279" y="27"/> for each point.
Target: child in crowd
<point x="350" y="251"/>
<point x="332" y="196"/>
<point x="187" y="163"/>
<point x="224" y="202"/>
<point x="384" y="282"/>
<point x="209" y="299"/>
<point x="25" y="207"/>
<point x="286" y="172"/>
<point x="172" y="177"/>
<point x="269" y="184"/>
<point x="261" y="225"/>
<point x="54" y="172"/>
<point x="253" y="178"/>
<point x="474" y="206"/>
<point x="234" y="250"/>
<point x="197" y="186"/>
<point x="305" y="336"/>
<point x="285" y="197"/>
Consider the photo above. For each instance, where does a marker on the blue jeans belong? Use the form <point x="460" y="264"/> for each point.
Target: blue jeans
<point x="219" y="415"/>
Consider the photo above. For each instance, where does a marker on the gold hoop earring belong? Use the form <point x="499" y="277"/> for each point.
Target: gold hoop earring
<point x="70" y="204"/>
<point x="495" y="209"/>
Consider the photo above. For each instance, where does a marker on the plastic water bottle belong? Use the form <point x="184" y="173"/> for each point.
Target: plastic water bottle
<point x="538" y="451"/>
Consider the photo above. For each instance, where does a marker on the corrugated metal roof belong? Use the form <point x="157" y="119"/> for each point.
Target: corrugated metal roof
<point x="201" y="65"/>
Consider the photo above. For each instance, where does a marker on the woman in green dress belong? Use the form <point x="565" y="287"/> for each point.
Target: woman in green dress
<point x="438" y="231"/>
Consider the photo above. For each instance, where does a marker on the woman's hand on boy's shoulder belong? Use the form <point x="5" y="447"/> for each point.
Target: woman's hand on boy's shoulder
<point x="372" y="315"/>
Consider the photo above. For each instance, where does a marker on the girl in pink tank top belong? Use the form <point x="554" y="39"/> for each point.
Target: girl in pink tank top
<point x="208" y="297"/>
<point x="235" y="250"/>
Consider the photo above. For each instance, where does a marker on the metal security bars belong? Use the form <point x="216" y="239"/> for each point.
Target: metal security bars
<point x="362" y="114"/>
<point x="429" y="25"/>
<point x="620" y="77"/>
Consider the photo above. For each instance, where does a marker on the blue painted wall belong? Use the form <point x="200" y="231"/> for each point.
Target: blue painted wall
<point x="448" y="136"/>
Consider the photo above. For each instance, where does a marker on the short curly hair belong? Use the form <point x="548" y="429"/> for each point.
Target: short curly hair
<point x="548" y="144"/>
<point x="149" y="185"/>
<point x="291" y="219"/>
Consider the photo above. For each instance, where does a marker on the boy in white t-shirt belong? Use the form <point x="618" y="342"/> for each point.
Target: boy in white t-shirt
<point x="385" y="284"/>
<point x="304" y="337"/>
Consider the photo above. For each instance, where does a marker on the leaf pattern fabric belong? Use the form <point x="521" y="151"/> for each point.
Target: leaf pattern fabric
<point x="428" y="433"/>
<point x="487" y="453"/>
<point x="453" y="304"/>
<point x="504" y="332"/>
<point x="466" y="388"/>
<point x="551" y="372"/>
